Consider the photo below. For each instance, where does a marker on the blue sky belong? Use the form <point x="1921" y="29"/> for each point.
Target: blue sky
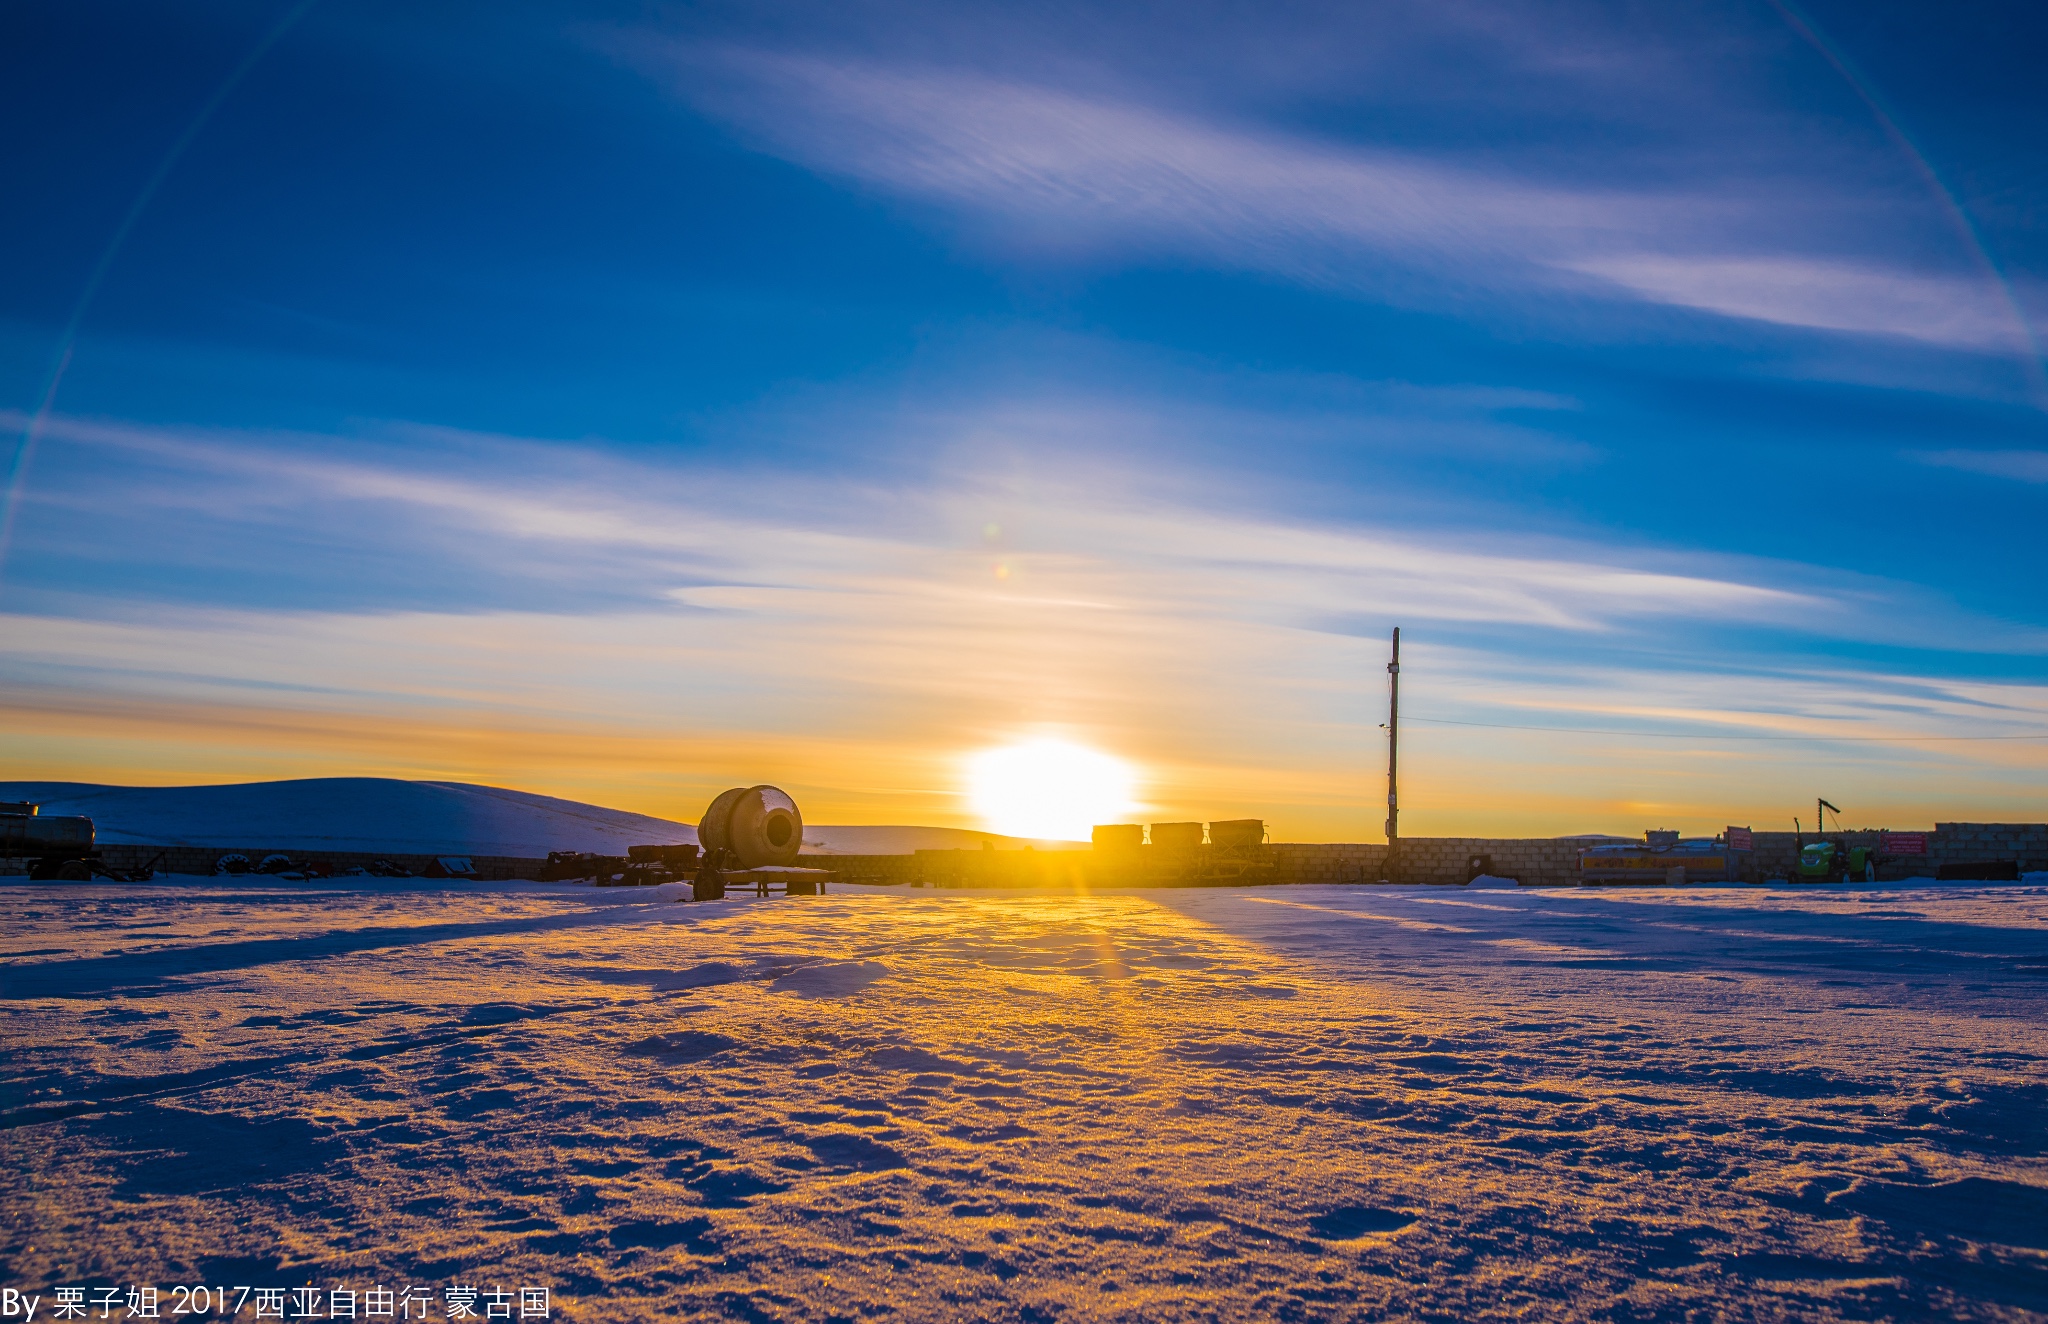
<point x="627" y="401"/>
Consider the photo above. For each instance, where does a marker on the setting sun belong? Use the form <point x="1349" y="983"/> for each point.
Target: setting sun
<point x="1048" y="789"/>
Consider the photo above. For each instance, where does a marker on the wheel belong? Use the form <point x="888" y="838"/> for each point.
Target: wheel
<point x="75" y="871"/>
<point x="708" y="889"/>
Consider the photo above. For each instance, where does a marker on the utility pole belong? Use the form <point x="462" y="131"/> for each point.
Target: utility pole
<point x="1393" y="759"/>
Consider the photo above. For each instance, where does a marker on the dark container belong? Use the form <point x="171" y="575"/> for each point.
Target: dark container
<point x="1118" y="836"/>
<point x="1238" y="834"/>
<point x="1979" y="871"/>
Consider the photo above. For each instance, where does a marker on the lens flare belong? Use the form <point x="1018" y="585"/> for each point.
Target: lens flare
<point x="1048" y="789"/>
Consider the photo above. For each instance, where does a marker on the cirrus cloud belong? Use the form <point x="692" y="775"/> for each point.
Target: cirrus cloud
<point x="1051" y="170"/>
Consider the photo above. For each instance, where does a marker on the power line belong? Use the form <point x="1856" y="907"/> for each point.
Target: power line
<point x="1701" y="735"/>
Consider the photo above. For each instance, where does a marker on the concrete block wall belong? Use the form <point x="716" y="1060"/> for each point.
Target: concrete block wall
<point x="1431" y="860"/>
<point x="1533" y="861"/>
<point x="868" y="869"/>
<point x="1536" y="861"/>
<point x="1328" y="863"/>
<point x="1947" y="843"/>
<point x="1552" y="862"/>
<point x="1049" y="870"/>
<point x="1775" y="855"/>
<point x="1555" y="861"/>
<point x="201" y="859"/>
<point x="1971" y="843"/>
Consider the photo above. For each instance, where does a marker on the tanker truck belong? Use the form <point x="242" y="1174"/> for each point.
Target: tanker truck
<point x="59" y="847"/>
<point x="56" y="846"/>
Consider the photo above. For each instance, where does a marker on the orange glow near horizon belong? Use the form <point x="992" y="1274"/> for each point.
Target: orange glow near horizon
<point x="1506" y="784"/>
<point x="874" y="722"/>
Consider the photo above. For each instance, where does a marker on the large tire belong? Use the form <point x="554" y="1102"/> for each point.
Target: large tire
<point x="75" y="871"/>
<point x="765" y="828"/>
<point x="712" y="828"/>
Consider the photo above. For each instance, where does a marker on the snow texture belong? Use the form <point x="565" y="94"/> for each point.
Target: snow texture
<point x="1289" y="1103"/>
<point x="382" y="815"/>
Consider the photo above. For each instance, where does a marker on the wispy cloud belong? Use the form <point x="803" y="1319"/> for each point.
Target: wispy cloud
<point x="2022" y="466"/>
<point x="1056" y="170"/>
<point x="1071" y="171"/>
<point x="1958" y="312"/>
<point x="1085" y="541"/>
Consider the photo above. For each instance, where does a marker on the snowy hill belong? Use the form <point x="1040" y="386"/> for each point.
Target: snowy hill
<point x="349" y="814"/>
<point x="382" y="814"/>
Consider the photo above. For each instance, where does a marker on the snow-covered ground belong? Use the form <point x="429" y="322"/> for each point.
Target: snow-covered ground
<point x="383" y="815"/>
<point x="1300" y="1102"/>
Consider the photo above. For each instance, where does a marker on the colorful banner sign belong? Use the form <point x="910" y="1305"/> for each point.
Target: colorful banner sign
<point x="1905" y="843"/>
<point x="1741" y="839"/>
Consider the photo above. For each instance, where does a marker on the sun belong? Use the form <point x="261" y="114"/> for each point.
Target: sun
<point x="1048" y="790"/>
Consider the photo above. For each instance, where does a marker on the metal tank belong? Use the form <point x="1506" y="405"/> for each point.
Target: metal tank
<point x="61" y="846"/>
<point x="754" y="826"/>
<point x="25" y="830"/>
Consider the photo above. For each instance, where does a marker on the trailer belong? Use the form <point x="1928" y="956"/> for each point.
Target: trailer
<point x="749" y="837"/>
<point x="1662" y="858"/>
